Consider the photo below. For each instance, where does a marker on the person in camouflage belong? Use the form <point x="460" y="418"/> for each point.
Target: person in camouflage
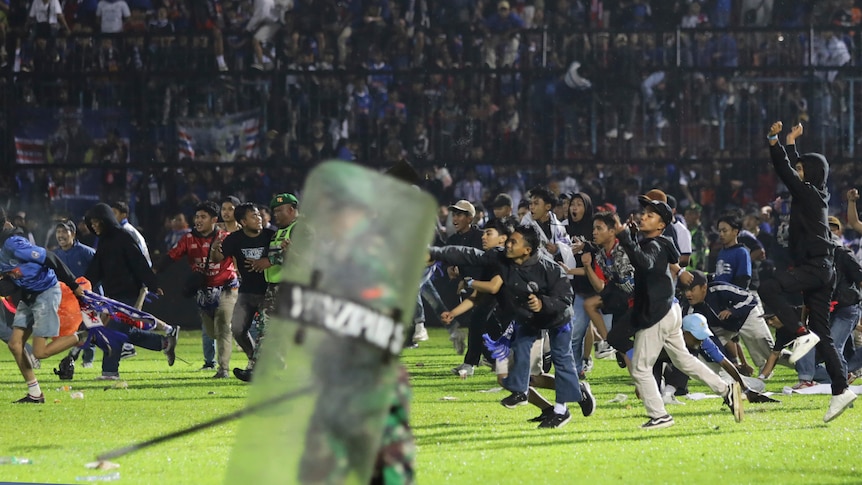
<point x="285" y="213"/>
<point x="345" y="419"/>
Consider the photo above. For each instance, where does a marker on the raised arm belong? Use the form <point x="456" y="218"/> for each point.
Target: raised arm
<point x="852" y="214"/>
<point x="780" y="159"/>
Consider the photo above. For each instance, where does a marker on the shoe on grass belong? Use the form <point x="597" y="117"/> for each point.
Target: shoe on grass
<point x="221" y="374"/>
<point x="838" y="404"/>
<point x="514" y="400"/>
<point x="665" y="421"/>
<point x="733" y="399"/>
<point x="28" y="399"/>
<point x="128" y="352"/>
<point x="207" y="367"/>
<point x="546" y="413"/>
<point x="244" y="375"/>
<point x="556" y="420"/>
<point x="588" y="401"/>
<point x="465" y="367"/>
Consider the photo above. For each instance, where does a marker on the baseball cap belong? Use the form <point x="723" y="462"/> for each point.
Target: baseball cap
<point x="834" y="221"/>
<point x="464" y="206"/>
<point x="695" y="324"/>
<point x="502" y="200"/>
<point x="67" y="225"/>
<point x="654" y="194"/>
<point x="661" y="208"/>
<point x="283" y="199"/>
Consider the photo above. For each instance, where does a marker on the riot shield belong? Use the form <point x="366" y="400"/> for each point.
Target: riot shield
<point x="328" y="361"/>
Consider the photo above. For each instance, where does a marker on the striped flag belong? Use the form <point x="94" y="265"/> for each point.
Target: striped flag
<point x="29" y="150"/>
<point x="221" y="139"/>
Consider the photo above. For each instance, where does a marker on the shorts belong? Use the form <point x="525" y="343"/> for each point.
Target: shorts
<point x="536" y="354"/>
<point x="40" y="316"/>
<point x="266" y="32"/>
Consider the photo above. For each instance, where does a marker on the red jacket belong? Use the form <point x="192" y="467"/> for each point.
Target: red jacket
<point x="195" y="248"/>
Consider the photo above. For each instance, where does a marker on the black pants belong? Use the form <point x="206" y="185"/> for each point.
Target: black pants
<point x="622" y="331"/>
<point x="816" y="281"/>
<point x="479" y="324"/>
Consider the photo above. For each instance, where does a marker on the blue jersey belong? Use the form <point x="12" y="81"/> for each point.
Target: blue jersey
<point x="24" y="263"/>
<point x="77" y="258"/>
<point x="733" y="262"/>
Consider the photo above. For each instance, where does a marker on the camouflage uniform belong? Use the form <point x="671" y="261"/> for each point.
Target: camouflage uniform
<point x="346" y="418"/>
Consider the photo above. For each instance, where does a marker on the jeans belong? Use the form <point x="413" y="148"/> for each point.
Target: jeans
<point x="567" y="385"/>
<point x="209" y="347"/>
<point x="843" y="321"/>
<point x="580" y="325"/>
<point x="815" y="280"/>
<point x="243" y="313"/>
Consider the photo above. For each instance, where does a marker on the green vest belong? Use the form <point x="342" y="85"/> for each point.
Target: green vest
<point x="276" y="255"/>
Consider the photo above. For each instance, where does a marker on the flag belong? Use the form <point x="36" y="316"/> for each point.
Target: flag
<point x="219" y="139"/>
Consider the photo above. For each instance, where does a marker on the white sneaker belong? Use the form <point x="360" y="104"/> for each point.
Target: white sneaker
<point x="419" y="333"/>
<point x="604" y="350"/>
<point x="627" y="135"/>
<point x="801" y="346"/>
<point x="612" y="133"/>
<point x="838" y="404"/>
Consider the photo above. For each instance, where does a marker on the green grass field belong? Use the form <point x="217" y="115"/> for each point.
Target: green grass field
<point x="471" y="439"/>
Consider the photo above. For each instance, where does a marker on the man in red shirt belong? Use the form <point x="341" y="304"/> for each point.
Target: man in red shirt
<point x="217" y="297"/>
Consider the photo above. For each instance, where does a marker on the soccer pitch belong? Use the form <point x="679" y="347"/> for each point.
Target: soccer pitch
<point x="463" y="434"/>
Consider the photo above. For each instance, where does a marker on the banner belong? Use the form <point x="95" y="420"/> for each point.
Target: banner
<point x="219" y="139"/>
<point x="47" y="135"/>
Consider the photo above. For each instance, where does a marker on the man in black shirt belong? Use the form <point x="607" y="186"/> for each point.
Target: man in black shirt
<point x="245" y="246"/>
<point x="466" y="234"/>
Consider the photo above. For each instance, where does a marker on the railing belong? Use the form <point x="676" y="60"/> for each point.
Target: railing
<point x="720" y="89"/>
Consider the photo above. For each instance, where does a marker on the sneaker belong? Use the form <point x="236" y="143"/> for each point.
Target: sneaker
<point x="107" y="378"/>
<point x="28" y="399"/>
<point x="588" y="365"/>
<point x="852" y="376"/>
<point x="546" y="414"/>
<point x="613" y="133"/>
<point x="87" y="365"/>
<point x="588" y="401"/>
<point x="604" y="350"/>
<point x="801" y="346"/>
<point x="243" y="374"/>
<point x="420" y="334"/>
<point x="67" y="369"/>
<point x="838" y="404"/>
<point x="483" y="362"/>
<point x="733" y="399"/>
<point x="222" y="374"/>
<point x="627" y="135"/>
<point x="662" y="124"/>
<point x="207" y="367"/>
<point x="128" y="352"/>
<point x="665" y="421"/>
<point x="257" y="66"/>
<point x="171" y="345"/>
<point x="514" y="400"/>
<point x="557" y="420"/>
<point x="464" y="367"/>
<point x="804" y="385"/>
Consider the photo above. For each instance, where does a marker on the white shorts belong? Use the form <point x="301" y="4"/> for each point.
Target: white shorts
<point x="266" y="32"/>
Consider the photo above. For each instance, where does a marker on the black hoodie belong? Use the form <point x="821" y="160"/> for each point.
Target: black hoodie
<point x="809" y="233"/>
<point x="118" y="265"/>
<point x="584" y="227"/>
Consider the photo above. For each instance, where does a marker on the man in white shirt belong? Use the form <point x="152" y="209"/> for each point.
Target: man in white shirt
<point x="46" y="14"/>
<point x="112" y="13"/>
<point x="683" y="235"/>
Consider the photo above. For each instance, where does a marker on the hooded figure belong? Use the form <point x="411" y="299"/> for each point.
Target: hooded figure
<point x="118" y="263"/>
<point x="584" y="226"/>
<point x="809" y="231"/>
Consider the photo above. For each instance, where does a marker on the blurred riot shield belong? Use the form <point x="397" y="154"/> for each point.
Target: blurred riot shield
<point x="350" y="281"/>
